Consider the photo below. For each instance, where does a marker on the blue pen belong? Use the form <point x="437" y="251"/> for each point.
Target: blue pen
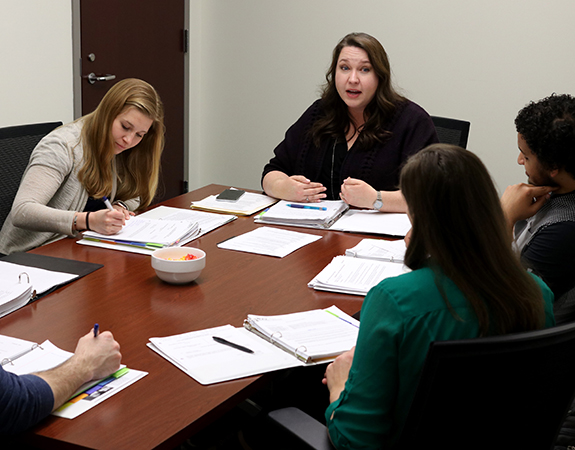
<point x="107" y="203"/>
<point x="318" y="208"/>
<point x="96" y="328"/>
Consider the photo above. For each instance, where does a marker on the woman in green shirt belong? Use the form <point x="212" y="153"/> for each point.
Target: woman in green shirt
<point x="465" y="282"/>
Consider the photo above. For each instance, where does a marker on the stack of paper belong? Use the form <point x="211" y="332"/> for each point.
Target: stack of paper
<point x="205" y="222"/>
<point x="392" y="251"/>
<point x="13" y="295"/>
<point x="311" y="215"/>
<point x="149" y="233"/>
<point x="289" y="340"/>
<point x="19" y="284"/>
<point x="355" y="276"/>
<point x="248" y="204"/>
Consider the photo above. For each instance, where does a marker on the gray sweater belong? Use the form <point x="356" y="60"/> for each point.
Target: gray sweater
<point x="50" y="193"/>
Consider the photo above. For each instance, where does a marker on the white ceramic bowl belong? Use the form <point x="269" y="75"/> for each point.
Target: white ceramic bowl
<point x="178" y="272"/>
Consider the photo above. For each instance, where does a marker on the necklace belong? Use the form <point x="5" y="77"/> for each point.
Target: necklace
<point x="332" y="168"/>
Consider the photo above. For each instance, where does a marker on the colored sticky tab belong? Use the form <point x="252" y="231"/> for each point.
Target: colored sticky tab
<point x="121" y="372"/>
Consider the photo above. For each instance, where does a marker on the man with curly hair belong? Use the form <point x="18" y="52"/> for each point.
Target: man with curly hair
<point x="541" y="214"/>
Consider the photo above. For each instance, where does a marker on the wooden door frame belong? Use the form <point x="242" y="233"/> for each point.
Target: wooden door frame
<point x="77" y="76"/>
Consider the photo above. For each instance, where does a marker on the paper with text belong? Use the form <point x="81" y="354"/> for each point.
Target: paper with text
<point x="269" y="241"/>
<point x="354" y="275"/>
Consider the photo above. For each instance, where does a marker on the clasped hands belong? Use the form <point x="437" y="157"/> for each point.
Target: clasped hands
<point x="353" y="191"/>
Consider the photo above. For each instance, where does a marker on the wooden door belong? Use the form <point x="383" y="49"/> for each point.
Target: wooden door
<point x="142" y="39"/>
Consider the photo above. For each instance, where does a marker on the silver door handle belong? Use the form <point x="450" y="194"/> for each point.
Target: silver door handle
<point x="92" y="78"/>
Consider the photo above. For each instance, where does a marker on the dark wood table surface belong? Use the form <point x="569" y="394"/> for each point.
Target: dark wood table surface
<point x="126" y="297"/>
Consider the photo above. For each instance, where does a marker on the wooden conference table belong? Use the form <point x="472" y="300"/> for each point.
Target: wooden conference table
<point x="126" y="297"/>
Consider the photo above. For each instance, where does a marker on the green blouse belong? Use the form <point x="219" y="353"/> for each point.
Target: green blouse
<point x="400" y="317"/>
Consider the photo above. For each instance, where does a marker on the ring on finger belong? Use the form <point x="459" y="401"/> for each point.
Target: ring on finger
<point x="307" y="199"/>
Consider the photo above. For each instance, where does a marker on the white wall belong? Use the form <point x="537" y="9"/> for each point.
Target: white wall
<point x="257" y="64"/>
<point x="262" y="62"/>
<point x="35" y="61"/>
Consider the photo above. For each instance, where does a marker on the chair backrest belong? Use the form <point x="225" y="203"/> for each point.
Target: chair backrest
<point x="16" y="145"/>
<point x="494" y="393"/>
<point x="564" y="307"/>
<point x="451" y="131"/>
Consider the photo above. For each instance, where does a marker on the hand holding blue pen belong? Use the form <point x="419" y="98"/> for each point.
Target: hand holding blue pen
<point x="107" y="203"/>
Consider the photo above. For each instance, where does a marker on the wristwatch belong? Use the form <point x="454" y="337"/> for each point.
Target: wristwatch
<point x="378" y="203"/>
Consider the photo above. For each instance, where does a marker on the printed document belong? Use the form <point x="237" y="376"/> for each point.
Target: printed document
<point x="269" y="241"/>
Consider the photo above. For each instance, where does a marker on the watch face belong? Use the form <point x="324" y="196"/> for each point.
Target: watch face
<point x="377" y="204"/>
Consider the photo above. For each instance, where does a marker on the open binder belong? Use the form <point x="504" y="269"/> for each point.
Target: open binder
<point x="47" y="273"/>
<point x="15" y="295"/>
<point x="12" y="348"/>
<point x="277" y="342"/>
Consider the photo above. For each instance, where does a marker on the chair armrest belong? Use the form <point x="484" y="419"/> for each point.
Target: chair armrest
<point x="302" y="426"/>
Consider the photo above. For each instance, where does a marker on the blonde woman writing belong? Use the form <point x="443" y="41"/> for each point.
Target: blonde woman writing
<point x="112" y="152"/>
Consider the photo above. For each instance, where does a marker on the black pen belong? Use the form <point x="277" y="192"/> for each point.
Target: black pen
<point x="220" y="340"/>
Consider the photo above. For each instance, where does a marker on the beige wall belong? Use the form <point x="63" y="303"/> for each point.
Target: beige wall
<point x="263" y="60"/>
<point x="35" y="61"/>
<point x="256" y="65"/>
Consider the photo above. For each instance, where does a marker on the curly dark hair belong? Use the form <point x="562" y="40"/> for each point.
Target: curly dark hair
<point x="336" y="122"/>
<point x="548" y="127"/>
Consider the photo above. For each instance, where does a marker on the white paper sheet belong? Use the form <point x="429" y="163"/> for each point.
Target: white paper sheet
<point x="269" y="241"/>
<point x="374" y="222"/>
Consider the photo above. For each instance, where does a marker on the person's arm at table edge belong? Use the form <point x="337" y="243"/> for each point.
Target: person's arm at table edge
<point x="94" y="358"/>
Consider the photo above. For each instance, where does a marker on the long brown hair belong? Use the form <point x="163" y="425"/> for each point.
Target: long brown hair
<point x="138" y="168"/>
<point x="336" y="122"/>
<point x="459" y="229"/>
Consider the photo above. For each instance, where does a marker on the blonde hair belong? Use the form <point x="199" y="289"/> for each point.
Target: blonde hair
<point x="139" y="167"/>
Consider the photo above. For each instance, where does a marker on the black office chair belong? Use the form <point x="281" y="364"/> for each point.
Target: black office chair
<point x="564" y="307"/>
<point x="489" y="393"/>
<point x="451" y="131"/>
<point x="16" y="145"/>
